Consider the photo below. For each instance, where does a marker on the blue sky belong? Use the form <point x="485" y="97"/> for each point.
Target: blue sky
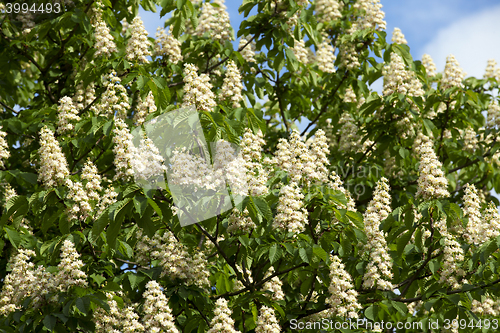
<point x="466" y="28"/>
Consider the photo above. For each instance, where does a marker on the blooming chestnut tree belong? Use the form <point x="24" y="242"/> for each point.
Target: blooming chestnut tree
<point x="380" y="209"/>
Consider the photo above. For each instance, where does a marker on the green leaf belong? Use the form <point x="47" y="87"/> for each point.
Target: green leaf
<point x="370" y="312"/>
<point x="15" y="207"/>
<point x="262" y="207"/>
<point x="303" y="255"/>
<point x="14" y="237"/>
<point x="356" y="218"/>
<point x="99" y="279"/>
<point x="83" y="304"/>
<point x="400" y="307"/>
<point x="135" y="279"/>
<point x="317" y="250"/>
<point x="49" y="322"/>
<point x="155" y="207"/>
<point x="434" y="265"/>
<point x="275" y="253"/>
<point x="99" y="225"/>
<point x="140" y="204"/>
<point x="402" y="241"/>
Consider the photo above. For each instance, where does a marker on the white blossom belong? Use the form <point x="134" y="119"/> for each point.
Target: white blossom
<point x="215" y="21"/>
<point x="53" y="165"/>
<point x="197" y="90"/>
<point x="157" y="314"/>
<point x="430" y="66"/>
<point x="453" y="75"/>
<point x="431" y="181"/>
<point x="168" y="45"/>
<point x="378" y="272"/>
<point x="222" y="321"/>
<point x="267" y="322"/>
<point x="144" y="108"/>
<point x="4" y="148"/>
<point x="231" y="87"/>
<point x="398" y="37"/>
<point x="123" y="149"/>
<point x="138" y="45"/>
<point x="343" y="297"/>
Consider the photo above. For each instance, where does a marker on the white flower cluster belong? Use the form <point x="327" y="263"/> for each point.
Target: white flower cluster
<point x="493" y="118"/>
<point x="350" y="140"/>
<point x="188" y="169"/>
<point x="371" y="16"/>
<point x="316" y="169"/>
<point x="487" y="307"/>
<point x="66" y="115"/>
<point x="70" y="273"/>
<point x="93" y="180"/>
<point x="144" y="108"/>
<point x="4" y="148"/>
<point x="193" y="170"/>
<point x="336" y="184"/>
<point x="157" y="314"/>
<point x="227" y="165"/>
<point x="123" y="150"/>
<point x="325" y="55"/>
<point x="53" y="165"/>
<point x="106" y="200"/>
<point x="453" y="257"/>
<point x="215" y="21"/>
<point x="343" y="298"/>
<point x="492" y="71"/>
<point x="251" y="147"/>
<point x="475" y="230"/>
<point x="429" y="65"/>
<point x="174" y="258"/>
<point x="248" y="53"/>
<point x="300" y="52"/>
<point x="303" y="160"/>
<point x="168" y="45"/>
<point x="398" y="37"/>
<point x="104" y="44"/>
<point x="222" y="321"/>
<point x="291" y="215"/>
<point x="240" y="221"/>
<point x="115" y="99"/>
<point x="81" y="207"/>
<point x="138" y="45"/>
<point x="350" y="96"/>
<point x="399" y="80"/>
<point x="492" y="221"/>
<point x="274" y="285"/>
<point x="348" y="56"/>
<point x="147" y="162"/>
<point x="231" y="86"/>
<point x="432" y="184"/>
<point x="379" y="269"/>
<point x="197" y="90"/>
<point x="453" y="75"/>
<point x="84" y="98"/>
<point x="267" y="322"/>
<point x="470" y="140"/>
<point x="116" y="319"/>
<point x="25" y="280"/>
<point x="328" y="10"/>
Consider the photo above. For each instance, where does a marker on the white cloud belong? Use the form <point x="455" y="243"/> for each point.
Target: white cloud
<point x="472" y="40"/>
